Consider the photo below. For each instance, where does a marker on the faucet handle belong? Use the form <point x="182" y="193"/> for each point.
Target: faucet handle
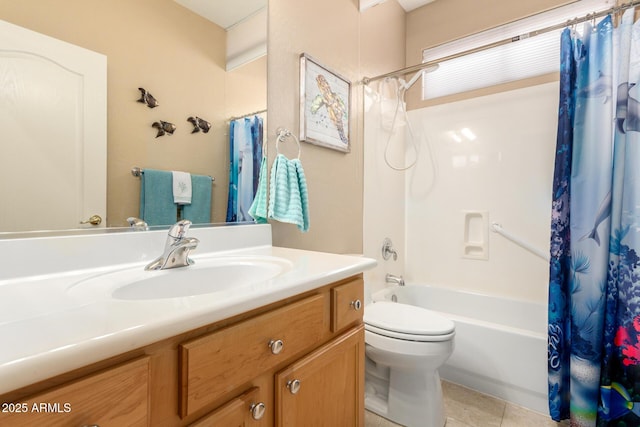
<point x="179" y="229"/>
<point x="137" y="223"/>
<point x="387" y="250"/>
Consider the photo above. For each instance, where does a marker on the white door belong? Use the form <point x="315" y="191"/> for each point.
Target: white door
<point x="53" y="132"/>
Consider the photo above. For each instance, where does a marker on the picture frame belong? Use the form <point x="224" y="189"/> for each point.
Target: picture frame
<point x="325" y="103"/>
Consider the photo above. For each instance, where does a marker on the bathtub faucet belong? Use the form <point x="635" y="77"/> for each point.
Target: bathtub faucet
<point x="390" y="278"/>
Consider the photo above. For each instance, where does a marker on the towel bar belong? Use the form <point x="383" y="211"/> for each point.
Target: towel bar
<point x="137" y="172"/>
<point x="282" y="135"/>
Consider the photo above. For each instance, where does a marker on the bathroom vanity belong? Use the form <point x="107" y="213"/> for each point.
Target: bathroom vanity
<point x="283" y="351"/>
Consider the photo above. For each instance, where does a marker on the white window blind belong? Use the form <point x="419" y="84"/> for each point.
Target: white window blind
<point x="525" y="58"/>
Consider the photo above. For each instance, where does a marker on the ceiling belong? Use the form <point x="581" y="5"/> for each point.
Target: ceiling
<point x="227" y="13"/>
<point x="409" y="5"/>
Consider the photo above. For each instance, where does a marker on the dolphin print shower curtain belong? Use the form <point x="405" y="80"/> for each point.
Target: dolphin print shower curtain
<point x="594" y="289"/>
<point x="245" y="155"/>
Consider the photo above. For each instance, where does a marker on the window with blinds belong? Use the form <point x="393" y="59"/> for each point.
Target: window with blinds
<point x="524" y="58"/>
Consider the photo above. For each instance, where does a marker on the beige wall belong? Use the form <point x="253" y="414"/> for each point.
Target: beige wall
<point x="445" y="20"/>
<point x="339" y="37"/>
<point x="328" y="31"/>
<point x="180" y="58"/>
<point x="246" y="88"/>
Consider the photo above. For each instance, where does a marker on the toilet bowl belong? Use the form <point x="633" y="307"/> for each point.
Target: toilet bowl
<point x="405" y="346"/>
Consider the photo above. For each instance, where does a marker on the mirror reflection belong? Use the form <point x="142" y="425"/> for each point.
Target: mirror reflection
<point x="192" y="66"/>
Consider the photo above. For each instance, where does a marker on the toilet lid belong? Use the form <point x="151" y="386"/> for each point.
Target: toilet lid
<point x="407" y="319"/>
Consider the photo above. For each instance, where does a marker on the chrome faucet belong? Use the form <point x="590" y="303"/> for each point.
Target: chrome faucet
<point x="137" y="224"/>
<point x="390" y="278"/>
<point x="176" y="249"/>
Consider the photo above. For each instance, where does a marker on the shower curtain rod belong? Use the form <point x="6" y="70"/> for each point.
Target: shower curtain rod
<point x="247" y="115"/>
<point x="575" y="21"/>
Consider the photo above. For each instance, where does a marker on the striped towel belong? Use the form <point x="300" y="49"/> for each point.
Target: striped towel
<point x="258" y="209"/>
<point x="289" y="200"/>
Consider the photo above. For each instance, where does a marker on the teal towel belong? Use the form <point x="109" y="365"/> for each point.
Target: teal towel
<point x="199" y="211"/>
<point x="156" y="198"/>
<point x="289" y="200"/>
<point x="258" y="209"/>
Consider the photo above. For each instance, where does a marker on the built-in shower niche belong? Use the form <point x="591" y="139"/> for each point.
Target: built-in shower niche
<point x="475" y="243"/>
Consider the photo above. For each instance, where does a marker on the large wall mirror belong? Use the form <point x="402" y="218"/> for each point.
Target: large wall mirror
<point x="197" y="58"/>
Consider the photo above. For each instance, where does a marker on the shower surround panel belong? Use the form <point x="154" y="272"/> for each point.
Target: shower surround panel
<point x="493" y="154"/>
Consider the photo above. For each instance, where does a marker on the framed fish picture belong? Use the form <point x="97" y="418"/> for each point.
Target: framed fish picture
<point x="325" y="102"/>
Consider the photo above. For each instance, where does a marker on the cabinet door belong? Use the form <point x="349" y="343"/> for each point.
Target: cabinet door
<point x="116" y="397"/>
<point x="325" y="388"/>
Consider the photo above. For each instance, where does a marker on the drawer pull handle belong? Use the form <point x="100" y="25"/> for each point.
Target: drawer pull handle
<point x="357" y="304"/>
<point x="293" y="386"/>
<point x="276" y="346"/>
<point x="257" y="410"/>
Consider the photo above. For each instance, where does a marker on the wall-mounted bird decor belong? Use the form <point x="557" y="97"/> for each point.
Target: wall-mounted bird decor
<point x="147" y="99"/>
<point x="199" y="124"/>
<point x="163" y="128"/>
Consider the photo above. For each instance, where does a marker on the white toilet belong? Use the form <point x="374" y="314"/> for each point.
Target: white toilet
<point x="405" y="346"/>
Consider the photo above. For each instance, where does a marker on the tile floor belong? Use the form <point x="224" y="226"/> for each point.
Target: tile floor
<point x="468" y="408"/>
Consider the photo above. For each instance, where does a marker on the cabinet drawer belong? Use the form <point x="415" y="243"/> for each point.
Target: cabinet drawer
<point x="116" y="397"/>
<point x="217" y="363"/>
<point x="243" y="410"/>
<point x="347" y="304"/>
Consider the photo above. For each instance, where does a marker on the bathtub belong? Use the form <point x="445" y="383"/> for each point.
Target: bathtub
<point x="500" y="343"/>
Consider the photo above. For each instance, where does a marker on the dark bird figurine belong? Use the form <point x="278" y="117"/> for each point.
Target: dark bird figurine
<point x="164" y="127"/>
<point x="147" y="99"/>
<point x="199" y="124"/>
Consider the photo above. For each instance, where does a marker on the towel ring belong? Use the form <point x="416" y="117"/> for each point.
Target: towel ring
<point x="283" y="133"/>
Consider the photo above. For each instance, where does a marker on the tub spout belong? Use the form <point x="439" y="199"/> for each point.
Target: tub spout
<point x="390" y="278"/>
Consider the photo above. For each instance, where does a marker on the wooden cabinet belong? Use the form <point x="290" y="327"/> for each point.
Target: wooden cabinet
<point x="239" y="412"/>
<point x="325" y="388"/>
<point x="217" y="363"/>
<point x="116" y="397"/>
<point x="347" y="304"/>
<point x="231" y="373"/>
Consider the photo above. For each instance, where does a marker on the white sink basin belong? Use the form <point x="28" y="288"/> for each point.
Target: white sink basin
<point x="206" y="276"/>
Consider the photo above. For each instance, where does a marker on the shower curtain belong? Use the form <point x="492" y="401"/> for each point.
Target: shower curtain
<point x="245" y="155"/>
<point x="594" y="289"/>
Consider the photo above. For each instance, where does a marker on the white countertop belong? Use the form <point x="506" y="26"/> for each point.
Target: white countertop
<point x="46" y="330"/>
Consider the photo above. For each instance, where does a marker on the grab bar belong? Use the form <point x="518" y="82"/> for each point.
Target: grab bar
<point x="497" y="228"/>
<point x="137" y="172"/>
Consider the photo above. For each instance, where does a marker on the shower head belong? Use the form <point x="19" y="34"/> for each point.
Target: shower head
<point x="422" y="68"/>
<point x="406" y="85"/>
